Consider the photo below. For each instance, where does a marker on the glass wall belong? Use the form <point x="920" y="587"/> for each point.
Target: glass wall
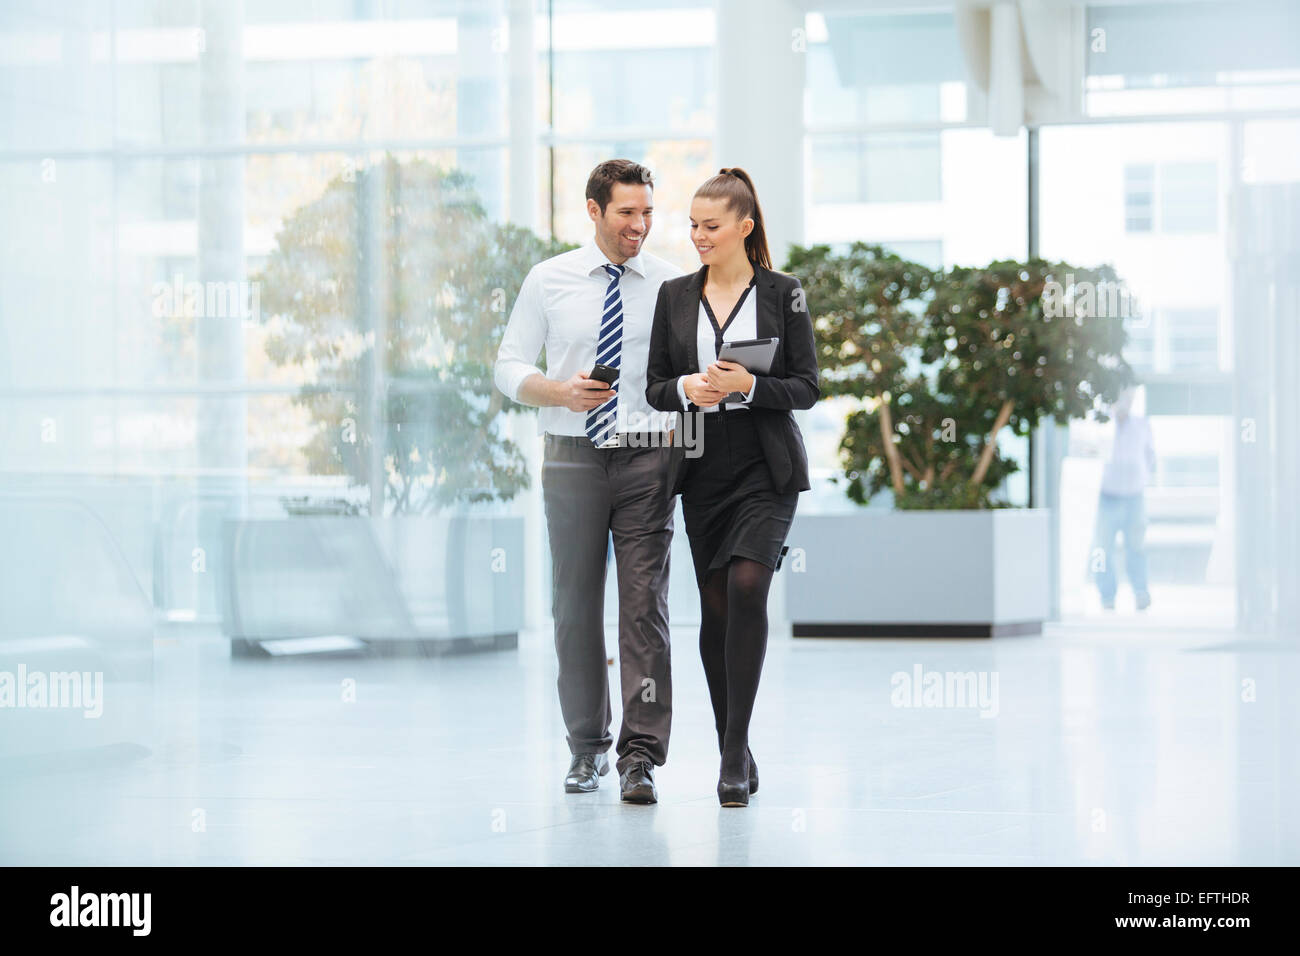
<point x="205" y="246"/>
<point x="1152" y="200"/>
<point x="1148" y="179"/>
<point x="216" y="210"/>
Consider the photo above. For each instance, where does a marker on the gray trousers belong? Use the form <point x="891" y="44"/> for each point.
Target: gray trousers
<point x="590" y="493"/>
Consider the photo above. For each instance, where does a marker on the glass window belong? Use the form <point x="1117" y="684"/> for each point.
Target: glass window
<point x="1193" y="339"/>
<point x="1139" y="197"/>
<point x="659" y="59"/>
<point x="1152" y="58"/>
<point x="1189" y="200"/>
<point x="886" y="167"/>
<point x="960" y="191"/>
<point x="1188" y="471"/>
<point x="1143" y="198"/>
<point x="1140" y="349"/>
<point x="874" y="68"/>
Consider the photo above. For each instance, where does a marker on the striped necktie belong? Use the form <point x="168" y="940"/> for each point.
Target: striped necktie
<point x="602" y="421"/>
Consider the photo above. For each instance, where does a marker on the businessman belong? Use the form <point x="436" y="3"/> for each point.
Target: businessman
<point x="605" y="471"/>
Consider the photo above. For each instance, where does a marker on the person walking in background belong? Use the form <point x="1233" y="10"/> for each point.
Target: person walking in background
<point x="1121" y="508"/>
<point x="739" y="495"/>
<point x="592" y="306"/>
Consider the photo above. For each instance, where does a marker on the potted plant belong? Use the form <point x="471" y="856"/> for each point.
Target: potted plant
<point x="940" y="366"/>
<point x="395" y="284"/>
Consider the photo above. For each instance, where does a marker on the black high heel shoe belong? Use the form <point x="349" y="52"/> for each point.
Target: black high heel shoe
<point x="753" y="767"/>
<point x="735" y="792"/>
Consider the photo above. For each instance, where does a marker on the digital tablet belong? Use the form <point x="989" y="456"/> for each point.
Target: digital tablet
<point x="755" y="355"/>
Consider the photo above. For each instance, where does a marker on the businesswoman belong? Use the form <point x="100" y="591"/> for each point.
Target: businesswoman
<point x="739" y="495"/>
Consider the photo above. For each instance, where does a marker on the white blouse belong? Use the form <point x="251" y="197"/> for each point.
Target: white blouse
<point x="743" y="326"/>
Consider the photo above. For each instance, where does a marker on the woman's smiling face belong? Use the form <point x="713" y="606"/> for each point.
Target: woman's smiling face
<point x="716" y="231"/>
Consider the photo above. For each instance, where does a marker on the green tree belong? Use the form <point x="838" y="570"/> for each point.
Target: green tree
<point x="406" y="248"/>
<point x="942" y="362"/>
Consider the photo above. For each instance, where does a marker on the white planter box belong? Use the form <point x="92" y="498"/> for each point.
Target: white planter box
<point x="451" y="583"/>
<point x="918" y="573"/>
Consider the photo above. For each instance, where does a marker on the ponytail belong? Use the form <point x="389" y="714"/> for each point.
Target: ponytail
<point x="733" y="185"/>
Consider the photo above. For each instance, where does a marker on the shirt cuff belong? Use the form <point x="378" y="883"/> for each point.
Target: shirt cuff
<point x="681" y="393"/>
<point x="752" y="389"/>
<point x="510" y="378"/>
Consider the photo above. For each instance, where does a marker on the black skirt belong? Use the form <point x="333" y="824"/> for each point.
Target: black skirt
<point x="730" y="506"/>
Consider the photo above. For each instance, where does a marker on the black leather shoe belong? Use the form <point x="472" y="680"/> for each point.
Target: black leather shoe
<point x="585" y="772"/>
<point x="638" y="783"/>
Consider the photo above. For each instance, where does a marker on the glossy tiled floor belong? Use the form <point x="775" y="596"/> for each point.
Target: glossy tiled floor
<point x="1098" y="747"/>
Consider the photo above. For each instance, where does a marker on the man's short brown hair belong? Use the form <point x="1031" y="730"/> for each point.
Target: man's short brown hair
<point x="602" y="179"/>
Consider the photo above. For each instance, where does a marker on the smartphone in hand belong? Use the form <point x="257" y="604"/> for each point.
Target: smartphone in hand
<point x="604" y="373"/>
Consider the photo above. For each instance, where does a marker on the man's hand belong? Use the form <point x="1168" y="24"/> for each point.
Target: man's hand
<point x="699" y="389"/>
<point x="581" y="393"/>
<point x="730" y="377"/>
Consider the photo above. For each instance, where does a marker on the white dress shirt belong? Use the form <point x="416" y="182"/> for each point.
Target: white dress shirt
<point x="560" y="307"/>
<point x="743" y="326"/>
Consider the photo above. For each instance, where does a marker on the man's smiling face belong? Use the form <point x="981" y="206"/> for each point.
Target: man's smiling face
<point x="625" y="223"/>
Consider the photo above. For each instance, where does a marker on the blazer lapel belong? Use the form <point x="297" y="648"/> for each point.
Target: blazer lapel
<point x="686" y="318"/>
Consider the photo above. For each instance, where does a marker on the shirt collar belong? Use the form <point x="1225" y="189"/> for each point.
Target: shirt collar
<point x="593" y="259"/>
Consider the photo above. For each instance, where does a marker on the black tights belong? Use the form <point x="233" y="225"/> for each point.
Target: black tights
<point x="733" y="640"/>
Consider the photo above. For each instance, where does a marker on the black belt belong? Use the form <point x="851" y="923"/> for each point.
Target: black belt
<point x="625" y="439"/>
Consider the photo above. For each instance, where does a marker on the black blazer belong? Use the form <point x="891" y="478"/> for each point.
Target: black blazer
<point x="791" y="384"/>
